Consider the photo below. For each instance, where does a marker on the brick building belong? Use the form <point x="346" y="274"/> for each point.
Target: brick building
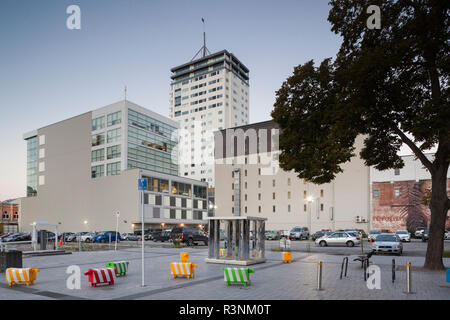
<point x="10" y="216"/>
<point x="399" y="197"/>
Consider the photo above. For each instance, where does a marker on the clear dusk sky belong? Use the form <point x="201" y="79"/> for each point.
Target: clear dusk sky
<point x="49" y="73"/>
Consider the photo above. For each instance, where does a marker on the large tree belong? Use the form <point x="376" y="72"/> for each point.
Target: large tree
<point x="390" y="85"/>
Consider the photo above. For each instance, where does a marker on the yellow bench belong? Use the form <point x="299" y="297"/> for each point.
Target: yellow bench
<point x="20" y="275"/>
<point x="287" y="257"/>
<point x="182" y="269"/>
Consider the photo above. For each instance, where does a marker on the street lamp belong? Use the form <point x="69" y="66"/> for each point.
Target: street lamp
<point x="310" y="199"/>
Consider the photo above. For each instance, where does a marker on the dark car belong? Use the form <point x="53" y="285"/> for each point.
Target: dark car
<point x="426" y="235"/>
<point x="189" y="236"/>
<point x="161" y="236"/>
<point x="320" y="234"/>
<point x="14" y="237"/>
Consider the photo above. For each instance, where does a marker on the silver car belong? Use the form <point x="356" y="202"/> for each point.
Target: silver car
<point x="387" y="242"/>
<point x="404" y="235"/>
<point x="348" y="239"/>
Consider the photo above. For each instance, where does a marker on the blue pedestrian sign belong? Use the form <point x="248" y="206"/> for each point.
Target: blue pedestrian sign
<point x="142" y="184"/>
<point x="448" y="275"/>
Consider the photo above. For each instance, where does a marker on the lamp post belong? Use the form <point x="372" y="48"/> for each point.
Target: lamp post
<point x="310" y="199"/>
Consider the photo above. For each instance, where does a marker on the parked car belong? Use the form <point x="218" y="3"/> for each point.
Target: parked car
<point x="348" y="239"/>
<point x="418" y="232"/>
<point x="425" y="235"/>
<point x="106" y="236"/>
<point x="161" y="236"/>
<point x="89" y="237"/>
<point x="319" y="234"/>
<point x="387" y="242"/>
<point x="129" y="236"/>
<point x="189" y="236"/>
<point x="273" y="235"/>
<point x="14" y="237"/>
<point x="404" y="235"/>
<point x="298" y="233"/>
<point x="447" y="235"/>
<point x="373" y="234"/>
<point x="64" y="236"/>
<point x="284" y="233"/>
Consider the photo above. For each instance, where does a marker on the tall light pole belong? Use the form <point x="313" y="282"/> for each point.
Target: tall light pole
<point x="310" y="199"/>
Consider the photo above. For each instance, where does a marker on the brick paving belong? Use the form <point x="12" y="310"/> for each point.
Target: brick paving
<point x="271" y="280"/>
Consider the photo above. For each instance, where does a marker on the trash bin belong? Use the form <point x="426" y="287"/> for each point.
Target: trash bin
<point x="10" y="259"/>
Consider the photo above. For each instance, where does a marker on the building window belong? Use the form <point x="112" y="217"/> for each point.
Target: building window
<point x="321" y="193"/>
<point x="273" y="208"/>
<point x="232" y="186"/>
<point x="259" y="196"/>
<point x="232" y="197"/>
<point x="304" y="207"/>
<point x="259" y="184"/>
<point x="98" y="123"/>
<point x="259" y="209"/>
<point x="245" y="172"/>
<point x="114" y="118"/>
<point x="397" y="192"/>
<point x="232" y="174"/>
<point x="273" y="195"/>
<point x="97" y="171"/>
<point x="172" y="214"/>
<point x="245" y="197"/>
<point x="98" y="139"/>
<point x="273" y="183"/>
<point x="289" y="208"/>
<point x="304" y="194"/>
<point x="113" y="152"/>
<point x="289" y="194"/>
<point x="246" y="185"/>
<point x="259" y="171"/>
<point x="321" y="207"/>
<point x="98" y="155"/>
<point x="245" y="209"/>
<point x="289" y="181"/>
<point x="113" y="169"/>
<point x="114" y="135"/>
<point x="397" y="172"/>
<point x="376" y="193"/>
<point x="182" y="189"/>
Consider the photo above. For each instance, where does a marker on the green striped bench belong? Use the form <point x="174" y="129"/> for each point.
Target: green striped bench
<point x="237" y="275"/>
<point x="120" y="266"/>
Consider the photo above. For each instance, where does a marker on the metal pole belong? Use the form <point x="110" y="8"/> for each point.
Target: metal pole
<point x="117" y="230"/>
<point x="142" y="237"/>
<point x="408" y="277"/>
<point x="79" y="241"/>
<point x="393" y="270"/>
<point x="319" y="275"/>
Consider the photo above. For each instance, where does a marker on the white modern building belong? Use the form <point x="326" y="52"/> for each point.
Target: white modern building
<point x="252" y="184"/>
<point x="207" y="94"/>
<point x="83" y="170"/>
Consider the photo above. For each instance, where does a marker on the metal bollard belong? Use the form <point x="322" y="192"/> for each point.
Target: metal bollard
<point x="319" y="275"/>
<point x="408" y="278"/>
<point x="344" y="262"/>
<point x="393" y="270"/>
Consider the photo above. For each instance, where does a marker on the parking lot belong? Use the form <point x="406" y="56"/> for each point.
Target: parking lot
<point x="272" y="280"/>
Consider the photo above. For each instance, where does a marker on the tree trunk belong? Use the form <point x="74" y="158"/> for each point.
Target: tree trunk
<point x="439" y="209"/>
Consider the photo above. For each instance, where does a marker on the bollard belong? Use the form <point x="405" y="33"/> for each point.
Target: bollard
<point x="408" y="278"/>
<point x="344" y="262"/>
<point x="319" y="275"/>
<point x="393" y="270"/>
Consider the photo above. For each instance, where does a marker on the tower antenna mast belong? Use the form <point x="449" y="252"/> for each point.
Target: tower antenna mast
<point x="203" y="49"/>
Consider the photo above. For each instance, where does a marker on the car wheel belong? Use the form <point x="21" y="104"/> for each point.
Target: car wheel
<point x="190" y="242"/>
<point x="206" y="243"/>
<point x="103" y="240"/>
<point x="350" y="244"/>
<point x="323" y="243"/>
<point x="87" y="240"/>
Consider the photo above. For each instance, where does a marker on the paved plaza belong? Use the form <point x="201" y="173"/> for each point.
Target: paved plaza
<point x="271" y="280"/>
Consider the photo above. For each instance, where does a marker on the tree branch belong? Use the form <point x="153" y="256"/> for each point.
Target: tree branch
<point x="419" y="154"/>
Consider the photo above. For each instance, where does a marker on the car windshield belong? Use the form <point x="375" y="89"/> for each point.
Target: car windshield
<point x="101" y="233"/>
<point x="375" y="232"/>
<point x="353" y="234"/>
<point x="386" y="238"/>
<point x="402" y="232"/>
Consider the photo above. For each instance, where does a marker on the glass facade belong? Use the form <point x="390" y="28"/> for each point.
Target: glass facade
<point x="152" y="144"/>
<point x="98" y="123"/>
<point x="97" y="171"/>
<point x="113" y="169"/>
<point x="32" y="166"/>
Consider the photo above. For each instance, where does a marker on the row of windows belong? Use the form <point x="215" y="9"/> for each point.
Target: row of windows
<point x="147" y="123"/>
<point x="111" y="170"/>
<point x="397" y="192"/>
<point x="111" y="153"/>
<point x="274" y="208"/>
<point x="112" y="136"/>
<point x="132" y="164"/>
<point x="179" y="188"/>
<point x="112" y="119"/>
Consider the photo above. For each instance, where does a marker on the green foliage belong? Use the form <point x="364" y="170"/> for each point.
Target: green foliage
<point x="387" y="85"/>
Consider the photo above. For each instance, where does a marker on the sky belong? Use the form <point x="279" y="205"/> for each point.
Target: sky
<point x="49" y="73"/>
